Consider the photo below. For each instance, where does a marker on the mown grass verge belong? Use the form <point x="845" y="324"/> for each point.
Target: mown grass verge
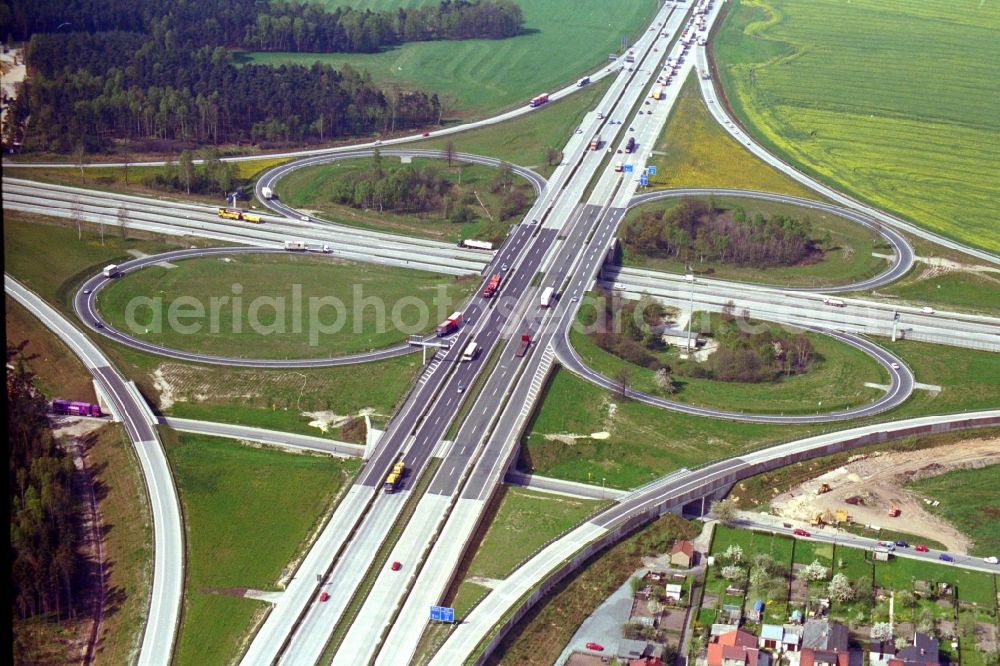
<point x="970" y="501"/>
<point x="280" y="314"/>
<point x="248" y="512"/>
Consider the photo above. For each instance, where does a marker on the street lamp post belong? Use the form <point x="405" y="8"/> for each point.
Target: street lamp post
<point x="690" y="278"/>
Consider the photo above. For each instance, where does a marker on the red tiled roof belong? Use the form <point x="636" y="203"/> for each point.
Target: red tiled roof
<point x="683" y="547"/>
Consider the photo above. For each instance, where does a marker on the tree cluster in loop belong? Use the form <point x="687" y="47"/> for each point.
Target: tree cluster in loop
<point x="698" y="232"/>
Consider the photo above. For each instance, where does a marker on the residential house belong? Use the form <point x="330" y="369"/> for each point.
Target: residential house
<point x="791" y="637"/>
<point x="922" y="652"/>
<point x="825" y="643"/>
<point x="629" y="649"/>
<point x="647" y="661"/>
<point x="682" y="554"/>
<point x="880" y="652"/>
<point x="770" y="637"/>
<point x="736" y="648"/>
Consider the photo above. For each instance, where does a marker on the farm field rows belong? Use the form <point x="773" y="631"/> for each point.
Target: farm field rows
<point x="893" y="101"/>
<point x="560" y="42"/>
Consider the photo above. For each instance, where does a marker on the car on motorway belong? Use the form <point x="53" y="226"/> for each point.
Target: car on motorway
<point x="98" y="323"/>
<point x="992" y="559"/>
<point x="324" y="596"/>
<point x="596" y="647"/>
<point x="927" y="310"/>
<point x="461" y="388"/>
<point x="894" y="366"/>
<point x="945" y="557"/>
<point x="426" y="134"/>
<point x="378" y="142"/>
<point x="304" y="218"/>
<point x="798" y="531"/>
<point x="86" y="291"/>
<point x="576" y="298"/>
<point x="396" y="566"/>
<point x="902" y="544"/>
<point x="631" y="129"/>
<point x="579" y="130"/>
<point x="504" y="267"/>
<point x="920" y="548"/>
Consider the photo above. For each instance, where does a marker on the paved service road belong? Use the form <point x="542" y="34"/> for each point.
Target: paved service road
<point x="168" y="534"/>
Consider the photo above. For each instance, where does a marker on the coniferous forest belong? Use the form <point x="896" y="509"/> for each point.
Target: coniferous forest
<point x="164" y="70"/>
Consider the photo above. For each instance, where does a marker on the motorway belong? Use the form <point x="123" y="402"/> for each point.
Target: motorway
<point x="561" y="244"/>
<point x="562" y="556"/>
<point x="804" y="309"/>
<point x="127" y="406"/>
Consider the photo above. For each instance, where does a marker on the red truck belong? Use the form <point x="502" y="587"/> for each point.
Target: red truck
<point x="538" y="101"/>
<point x="492" y="285"/>
<point x="449" y="325"/>
<point x="522" y="347"/>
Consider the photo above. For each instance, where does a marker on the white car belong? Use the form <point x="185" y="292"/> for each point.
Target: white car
<point x="894" y="366"/>
<point x="927" y="310"/>
<point x="991" y="560"/>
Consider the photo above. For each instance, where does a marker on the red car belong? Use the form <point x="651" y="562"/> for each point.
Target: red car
<point x="800" y="532"/>
<point x="324" y="596"/>
<point x="396" y="566"/>
<point x="920" y="548"/>
<point x="426" y="134"/>
<point x="597" y="647"/>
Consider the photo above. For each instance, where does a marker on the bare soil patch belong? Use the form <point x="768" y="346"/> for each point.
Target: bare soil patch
<point x="876" y="482"/>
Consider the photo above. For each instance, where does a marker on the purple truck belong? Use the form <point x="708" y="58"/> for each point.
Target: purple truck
<point x="75" y="408"/>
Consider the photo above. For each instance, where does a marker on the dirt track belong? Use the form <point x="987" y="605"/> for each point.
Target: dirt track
<point x="878" y="480"/>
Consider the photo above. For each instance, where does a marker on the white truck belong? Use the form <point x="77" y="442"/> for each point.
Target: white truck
<point x="296" y="246"/>
<point x="546" y="299"/>
<point x="267" y="192"/>
<point x="111" y="270"/>
<point x="471" y="352"/>
<point x="835" y="302"/>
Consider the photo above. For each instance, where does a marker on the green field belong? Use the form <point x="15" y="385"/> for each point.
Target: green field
<point x="835" y="380"/>
<point x="893" y="101"/>
<point x="127" y="545"/>
<point x="969" y="500"/>
<point x="693" y="151"/>
<point x="379" y="305"/>
<point x="525" y="521"/>
<point x="560" y="42"/>
<point x="847" y="259"/>
<point x="50" y="259"/>
<point x="965" y="290"/>
<point x="247" y="514"/>
<point x="642" y="442"/>
<point x="524" y="139"/>
<point x="308" y="189"/>
<point x="971" y="586"/>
